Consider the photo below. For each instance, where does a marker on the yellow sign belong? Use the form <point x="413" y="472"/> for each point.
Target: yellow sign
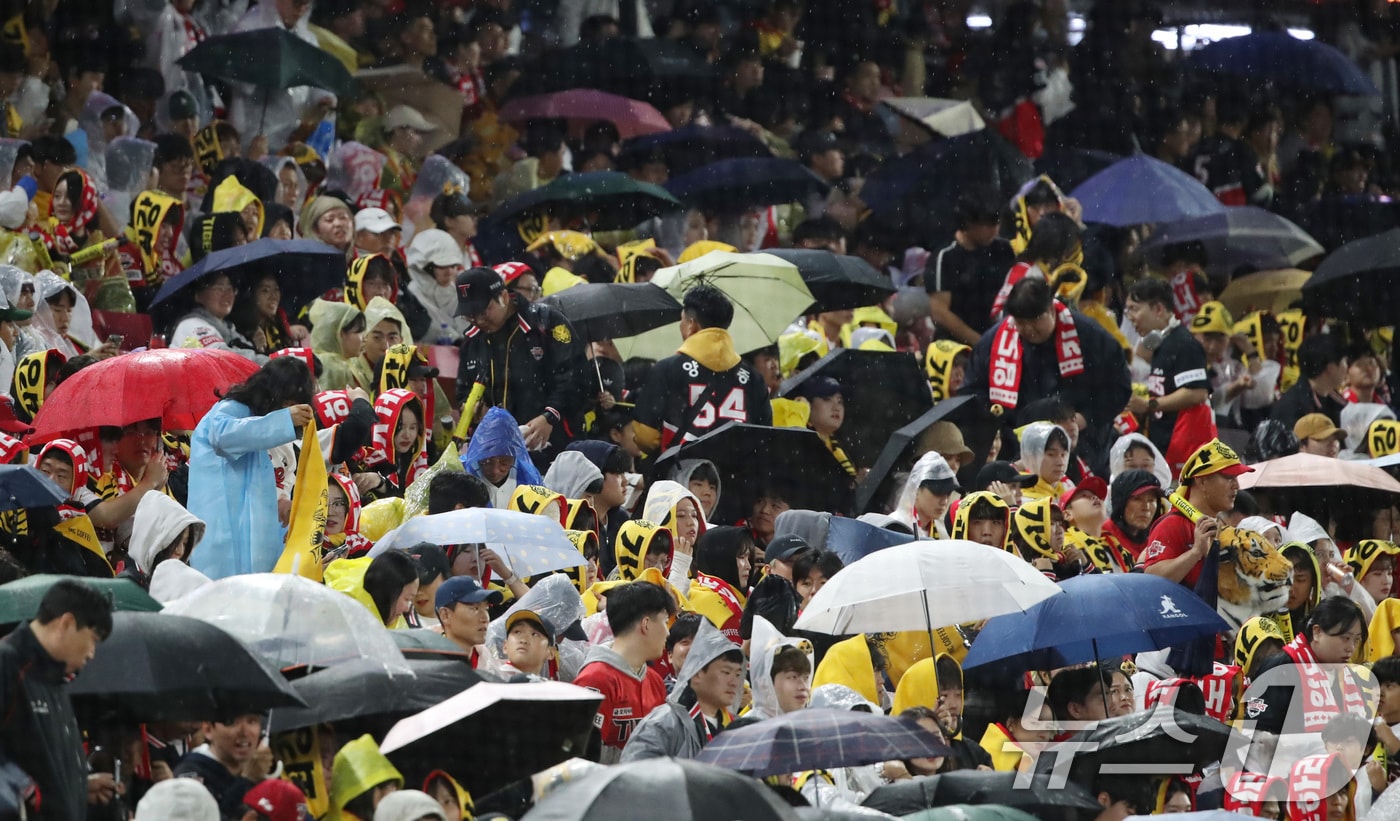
<point x="300" y="754"/>
<point x="1383" y="437"/>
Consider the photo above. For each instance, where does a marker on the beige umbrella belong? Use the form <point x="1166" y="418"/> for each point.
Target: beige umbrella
<point x="1308" y="470"/>
<point x="1272" y="291"/>
<point x="946" y="118"/>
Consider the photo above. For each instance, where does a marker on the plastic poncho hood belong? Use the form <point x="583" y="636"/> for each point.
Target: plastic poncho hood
<point x="1357" y="418"/>
<point x="232" y="196"/>
<point x="930" y="466"/>
<point x="554" y="597"/>
<point x="1035" y="439"/>
<point x="709" y="644"/>
<point x="1118" y="457"/>
<point x="571" y="474"/>
<point x="359" y="767"/>
<point x="841" y="697"/>
<point x="159" y="520"/>
<point x="48" y="285"/>
<point x="764" y="647"/>
<point x="499" y="435"/>
<point x="662" y="500"/>
<point x="848" y="663"/>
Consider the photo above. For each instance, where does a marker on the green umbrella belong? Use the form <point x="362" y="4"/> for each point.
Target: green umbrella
<point x="607" y="200"/>
<point x="968" y="812"/>
<point x="269" y="58"/>
<point x="19" y="600"/>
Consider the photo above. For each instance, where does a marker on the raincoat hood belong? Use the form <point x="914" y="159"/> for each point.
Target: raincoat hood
<point x="1032" y="523"/>
<point x="231" y="197"/>
<point x="48" y="285"/>
<point x="1380" y="641"/>
<point x="299" y="186"/>
<point x="571" y="475"/>
<point x="1118" y="456"/>
<point x="1356" y="421"/>
<point x="918" y="687"/>
<point x="329" y="319"/>
<point x="868" y="315"/>
<point x="595" y="594"/>
<point x="848" y="663"/>
<point x="661" y="504"/>
<point x="359" y="767"/>
<point x="1262" y="526"/>
<point x="1124" y="485"/>
<point x="711" y="347"/>
<point x="355" y="280"/>
<point x="709" y="645"/>
<point x="634" y="540"/>
<point x="388" y="409"/>
<point x="12" y="282"/>
<point x="1035" y="438"/>
<point x="685" y="471"/>
<point x="1251" y="637"/>
<point x="32" y="374"/>
<point x="379" y="309"/>
<point x="407" y="805"/>
<point x="1298" y="551"/>
<point x="554" y="598"/>
<point x="938" y="365"/>
<point x="931" y="465"/>
<point x="464" y="799"/>
<point x="535" y="499"/>
<point x="149" y="212"/>
<point x="963" y="517"/>
<point x="175" y="580"/>
<point x="159" y="520"/>
<point x="1306" y="529"/>
<point x="348" y="576"/>
<point x="573" y="508"/>
<point x="841" y="697"/>
<point x="764" y="647"/>
<point x="1365" y="552"/>
<point x="499" y="435"/>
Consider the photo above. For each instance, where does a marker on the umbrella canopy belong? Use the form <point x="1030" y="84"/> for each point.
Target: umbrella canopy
<point x="1035" y="795"/>
<point x="426" y="645"/>
<point x="292" y="621"/>
<point x="1163" y="741"/>
<point x="1068" y="167"/>
<point x="607" y="200"/>
<point x="883" y="392"/>
<point x="1273" y="291"/>
<point x="269" y="58"/>
<point x="1357" y="280"/>
<point x="1285" y="60"/>
<point x="1307" y="470"/>
<point x="767" y="293"/>
<point x="175" y="385"/>
<point x="927" y="182"/>
<point x="970" y="812"/>
<point x="582" y="106"/>
<point x="363" y="689"/>
<point x="21" y="597"/>
<point x="670" y="788"/>
<point x="851" y="539"/>
<point x="818" y="739"/>
<point x="903" y="448"/>
<point x="689" y="147"/>
<point x="754" y="459"/>
<point x="918" y="587"/>
<point x="23" y="486"/>
<point x="305" y="268"/>
<point x="605" y="310"/>
<point x="1242" y="237"/>
<point x="160" y="667"/>
<point x="734" y="186"/>
<point x="530" y="544"/>
<point x="1100" y="616"/>
<point x="940" y="117"/>
<point x="1140" y="190"/>
<point x="531" y="726"/>
<point x="838" y="281"/>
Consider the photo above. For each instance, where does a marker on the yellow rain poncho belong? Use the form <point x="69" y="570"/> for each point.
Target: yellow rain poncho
<point x="848" y="662"/>
<point x="359" y="767"/>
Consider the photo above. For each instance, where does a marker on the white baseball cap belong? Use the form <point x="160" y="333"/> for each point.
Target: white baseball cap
<point x="375" y="221"/>
<point x="183" y="798"/>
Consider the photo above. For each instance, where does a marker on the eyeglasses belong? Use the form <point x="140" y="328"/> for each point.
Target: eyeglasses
<point x="533" y="292"/>
<point x="339" y="505"/>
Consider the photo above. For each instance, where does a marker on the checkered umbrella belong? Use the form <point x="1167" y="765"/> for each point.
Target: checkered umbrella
<point x="818" y="739"/>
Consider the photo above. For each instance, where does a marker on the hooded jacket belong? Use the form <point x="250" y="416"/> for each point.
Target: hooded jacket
<point x="848" y="663"/>
<point x="355" y="281"/>
<point x="767" y="642"/>
<point x="707" y="367"/>
<point x="359" y="767"/>
<point x="924" y="469"/>
<point x="159" y="520"/>
<point x="231" y="197"/>
<point x="465" y="805"/>
<point x="329" y="320"/>
<point x="1125" y="484"/>
<point x="674" y="729"/>
<point x="571" y="475"/>
<point x="938" y="366"/>
<point x="376" y="311"/>
<point x="402" y="468"/>
<point x="1380" y="641"/>
<point x="662" y="500"/>
<point x="685" y="471"/>
<point x="634" y="540"/>
<point x="1118" y="457"/>
<point x="1035" y="439"/>
<point x="963" y="517"/>
<point x="436" y="304"/>
<point x="717" y="593"/>
<point x="629" y="696"/>
<point x="1297" y="552"/>
<point x="499" y="435"/>
<point x="40" y="732"/>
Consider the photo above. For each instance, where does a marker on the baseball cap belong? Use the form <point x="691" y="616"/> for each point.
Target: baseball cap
<point x="1317" y="426"/>
<point x="476" y="287"/>
<point x="815" y="141"/>
<point x="277" y="800"/>
<point x="511" y="271"/>
<point x="784" y="547"/>
<point x="181" y="106"/>
<point x="432" y="562"/>
<point x="940" y="478"/>
<point x="1091" y="484"/>
<point x="466" y="590"/>
<point x="11" y="314"/>
<point x="402" y="116"/>
<point x="531" y="617"/>
<point x="1213" y="457"/>
<point x="819" y="387"/>
<point x="376" y="221"/>
<point x="1003" y="472"/>
<point x="1212" y="318"/>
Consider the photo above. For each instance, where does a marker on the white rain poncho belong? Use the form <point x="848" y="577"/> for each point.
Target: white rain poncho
<point x="128" y="161"/>
<point x="1118" y="457"/>
<point x="764" y="647"/>
<point x="47" y="285"/>
<point x="557" y="600"/>
<point x="931" y="466"/>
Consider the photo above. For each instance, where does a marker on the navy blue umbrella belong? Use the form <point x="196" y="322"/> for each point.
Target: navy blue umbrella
<point x="305" y="268"/>
<point x="1101" y="616"/>
<point x="22" y="486"/>
<point x="1283" y="59"/>
<point x="736" y="185"/>
<point x="1141" y="190"/>
<point x="820" y="739"/>
<point x="932" y="177"/>
<point x="692" y="146"/>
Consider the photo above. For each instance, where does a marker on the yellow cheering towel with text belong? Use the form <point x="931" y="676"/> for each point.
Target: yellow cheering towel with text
<point x="307" y="527"/>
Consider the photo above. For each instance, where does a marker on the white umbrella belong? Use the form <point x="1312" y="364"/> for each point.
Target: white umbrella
<point x="941" y="117"/>
<point x="530" y="544"/>
<point x="922" y="585"/>
<point x="476" y="699"/>
<point x="1310" y="470"/>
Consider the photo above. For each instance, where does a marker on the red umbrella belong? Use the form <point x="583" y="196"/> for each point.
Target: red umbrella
<point x="582" y="106"/>
<point x="175" y="385"/>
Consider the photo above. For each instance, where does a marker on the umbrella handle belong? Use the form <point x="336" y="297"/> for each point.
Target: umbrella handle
<point x="276" y="771"/>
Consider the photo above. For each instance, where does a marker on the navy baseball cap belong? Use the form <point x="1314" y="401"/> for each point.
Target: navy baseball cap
<point x="784" y="547"/>
<point x="818" y="387"/>
<point x="466" y="590"/>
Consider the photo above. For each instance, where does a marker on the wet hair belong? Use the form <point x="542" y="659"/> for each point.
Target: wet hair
<point x="1071" y="687"/>
<point x="55" y="150"/>
<point x="629" y="603"/>
<point x="386" y="577"/>
<point x="282" y="381"/>
<point x="1029" y="299"/>
<point x="1345" y="727"/>
<point x="686" y="627"/>
<point x="1334" y="614"/>
<point x="1315" y="353"/>
<point x="984" y="511"/>
<point x="819" y="228"/>
<point x="1055" y="237"/>
<point x="791" y="660"/>
<point x="1387" y="670"/>
<point x="824" y="561"/>
<point x="950" y="675"/>
<point x="708" y="306"/>
<point x="90" y="607"/>
<point x="1152" y="291"/>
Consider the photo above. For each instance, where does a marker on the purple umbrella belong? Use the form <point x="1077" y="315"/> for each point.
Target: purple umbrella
<point x="582" y="106"/>
<point x="1140" y="190"/>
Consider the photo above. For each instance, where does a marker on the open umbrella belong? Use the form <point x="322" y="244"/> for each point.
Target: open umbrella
<point x="819" y="739"/>
<point x="767" y="293"/>
<point x="883" y="392"/>
<point x="918" y="587"/>
<point x="269" y="58"/>
<point x="1037" y="795"/>
<point x="903" y="449"/>
<point x="530" y="544"/>
<point x="692" y="146"/>
<point x="426" y="645"/>
<point x="175" y="385"/>
<point x="971" y="812"/>
<point x="604" y="310"/>
<point x="1100" y="616"/>
<point x="937" y="116"/>
<point x="851" y="539"/>
<point x="582" y="106"/>
<point x="607" y="200"/>
<point x="305" y="268"/>
<point x="1358" y="281"/>
<point x="1273" y="291"/>
<point x="23" y="486"/>
<point x="1307" y="470"/>
<point x="19" y="599"/>
<point x="663" y="788"/>
<point x="1068" y="167"/>
<point x="734" y="186"/>
<point x="1242" y="237"/>
<point x="160" y="667"/>
<point x="1142" y="189"/>
<point x="292" y="621"/>
<point x="1285" y="60"/>
<point x="1161" y="741"/>
<point x="363" y="689"/>
<point x="838" y="281"/>
<point x="929" y="180"/>
<point x="530" y="726"/>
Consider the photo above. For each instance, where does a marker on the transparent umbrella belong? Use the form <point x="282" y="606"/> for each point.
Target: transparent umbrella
<point x="292" y="621"/>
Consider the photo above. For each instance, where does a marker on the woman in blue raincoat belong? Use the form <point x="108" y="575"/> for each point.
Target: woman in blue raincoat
<point x="232" y="487"/>
<point x="498" y="457"/>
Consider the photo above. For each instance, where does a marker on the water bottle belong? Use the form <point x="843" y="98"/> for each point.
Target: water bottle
<point x="445" y="336"/>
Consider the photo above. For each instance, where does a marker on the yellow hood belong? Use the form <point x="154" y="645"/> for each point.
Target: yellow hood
<point x="1365" y="552"/>
<point x="848" y="662"/>
<point x="869" y="315"/>
<point x="231" y="197"/>
<point x="792" y="347"/>
<point x="711" y="347"/>
<point x="536" y="499"/>
<point x="1380" y="641"/>
<point x="148" y="213"/>
<point x="32" y="375"/>
<point x="381" y="516"/>
<point x="465" y="805"/>
<point x="634" y="540"/>
<point x="791" y="413"/>
<point x="699" y="249"/>
<point x="964" y="514"/>
<point x="359" y="767"/>
<point x="651" y="574"/>
<point x="1099" y="550"/>
<point x="571" y="245"/>
<point x="938" y="365"/>
<point x="1252" y="634"/>
<point x="348" y="577"/>
<point x="558" y="279"/>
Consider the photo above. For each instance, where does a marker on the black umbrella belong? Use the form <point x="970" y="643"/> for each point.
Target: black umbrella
<point x="819" y="739"/>
<point x="23" y="486"/>
<point x="1162" y="741"/>
<point x="656" y="69"/>
<point x="1359" y="281"/>
<point x="607" y="200"/>
<point x="755" y="458"/>
<point x="1069" y="802"/>
<point x="1245" y="237"/>
<point x="305" y="268"/>
<point x="1069" y="167"/>
<point x="663" y="788"/>
<point x="427" y="645"/>
<point x="157" y="667"/>
<point x="838" y="281"/>
<point x="733" y="186"/>
<point x="364" y="691"/>
<point x="611" y="310"/>
<point x="883" y="391"/>
<point x="901" y="451"/>
<point x="269" y="58"/>
<point x="689" y="147"/>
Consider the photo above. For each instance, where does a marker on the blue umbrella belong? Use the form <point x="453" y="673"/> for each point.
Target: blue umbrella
<point x="1100" y="616"/>
<point x="820" y="739"/>
<point x="530" y="544"/>
<point x="692" y="146"/>
<point x="933" y="176"/>
<point x="1141" y="190"/>
<point x="735" y="185"/>
<point x="21" y="486"/>
<point x="1285" y="60"/>
<point x="305" y="268"/>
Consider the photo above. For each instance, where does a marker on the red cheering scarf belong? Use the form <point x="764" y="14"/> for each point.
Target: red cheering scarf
<point x="1320" y="703"/>
<point x="1218" y="689"/>
<point x="1005" y="376"/>
<point x="1312" y="781"/>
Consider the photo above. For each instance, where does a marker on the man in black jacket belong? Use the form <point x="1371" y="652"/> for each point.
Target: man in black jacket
<point x="38" y="730"/>
<point x="526" y="355"/>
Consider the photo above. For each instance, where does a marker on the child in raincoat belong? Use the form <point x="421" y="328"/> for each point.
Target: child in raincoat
<point x="360" y="778"/>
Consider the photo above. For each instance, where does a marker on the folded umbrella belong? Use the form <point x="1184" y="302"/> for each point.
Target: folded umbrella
<point x="304" y="268"/>
<point x="978" y="427"/>
<point x="819" y="739"/>
<point x="673" y="789"/>
<point x="19" y="599"/>
<point x="1157" y="742"/>
<point x="175" y="385"/>
<point x="689" y="147"/>
<point x="607" y="310"/>
<point x="362" y="689"/>
<point x="734" y="186"/>
<point x="269" y="58"/>
<point x="1273" y="291"/>
<point x="1357" y="280"/>
<point x="23" y="486"/>
<point x="1285" y="60"/>
<point x="1140" y="190"/>
<point x="838" y="281"/>
<point x="530" y="544"/>
<point x="582" y="106"/>
<point x="1034" y="795"/>
<point x="1243" y="237"/>
<point x="606" y="200"/>
<point x="160" y="667"/>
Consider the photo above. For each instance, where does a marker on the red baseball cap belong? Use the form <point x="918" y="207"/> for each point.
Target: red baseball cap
<point x="277" y="800"/>
<point x="1092" y="484"/>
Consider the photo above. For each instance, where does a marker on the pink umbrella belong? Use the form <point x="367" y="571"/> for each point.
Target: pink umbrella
<point x="582" y="106"/>
<point x="1307" y="470"/>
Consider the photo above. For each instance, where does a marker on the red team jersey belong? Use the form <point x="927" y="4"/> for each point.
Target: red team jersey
<point x="626" y="700"/>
